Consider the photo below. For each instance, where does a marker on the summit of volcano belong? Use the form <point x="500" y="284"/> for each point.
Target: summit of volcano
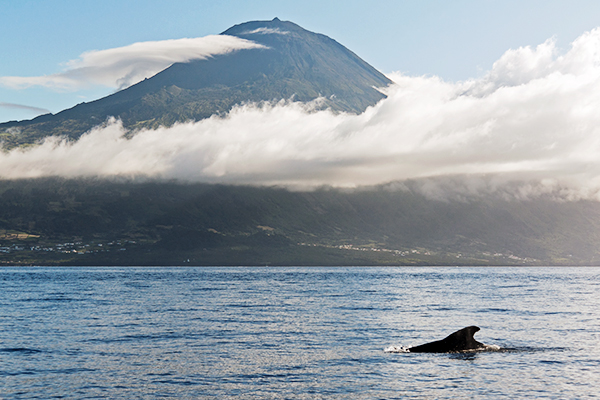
<point x="288" y="63"/>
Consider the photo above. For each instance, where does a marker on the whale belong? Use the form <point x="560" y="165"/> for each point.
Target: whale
<point x="459" y="341"/>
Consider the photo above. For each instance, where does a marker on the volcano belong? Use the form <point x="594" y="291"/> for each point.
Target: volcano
<point x="293" y="64"/>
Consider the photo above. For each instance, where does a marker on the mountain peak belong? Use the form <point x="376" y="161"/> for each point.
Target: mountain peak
<point x="261" y="27"/>
<point x="293" y="63"/>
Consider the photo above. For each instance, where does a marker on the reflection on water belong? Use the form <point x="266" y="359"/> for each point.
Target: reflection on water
<point x="296" y="332"/>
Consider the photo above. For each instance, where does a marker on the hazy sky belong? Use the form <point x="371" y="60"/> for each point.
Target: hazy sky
<point x="454" y="40"/>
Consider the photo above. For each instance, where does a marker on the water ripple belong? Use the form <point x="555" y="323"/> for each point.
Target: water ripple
<point x="296" y="332"/>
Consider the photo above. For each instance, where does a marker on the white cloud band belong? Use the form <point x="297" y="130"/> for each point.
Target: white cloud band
<point x="533" y="118"/>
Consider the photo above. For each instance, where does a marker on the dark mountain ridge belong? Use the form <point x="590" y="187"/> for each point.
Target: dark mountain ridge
<point x="164" y="223"/>
<point x="295" y="64"/>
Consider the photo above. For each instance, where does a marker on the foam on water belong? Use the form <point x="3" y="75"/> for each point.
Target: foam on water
<point x="396" y="349"/>
<point x="402" y="349"/>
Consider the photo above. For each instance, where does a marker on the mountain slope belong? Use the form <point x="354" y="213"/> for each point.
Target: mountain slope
<point x="224" y="225"/>
<point x="295" y="64"/>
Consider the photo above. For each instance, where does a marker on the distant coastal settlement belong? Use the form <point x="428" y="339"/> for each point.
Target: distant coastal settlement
<point x="22" y="248"/>
<point x="69" y="248"/>
<point x="484" y="256"/>
<point x="18" y="248"/>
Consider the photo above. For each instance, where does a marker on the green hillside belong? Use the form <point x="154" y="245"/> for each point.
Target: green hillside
<point x="169" y="223"/>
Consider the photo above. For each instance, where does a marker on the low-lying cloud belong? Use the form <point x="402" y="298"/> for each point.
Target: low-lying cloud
<point x="532" y="119"/>
<point x="123" y="66"/>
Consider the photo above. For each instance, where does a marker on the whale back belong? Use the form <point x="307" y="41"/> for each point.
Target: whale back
<point x="461" y="340"/>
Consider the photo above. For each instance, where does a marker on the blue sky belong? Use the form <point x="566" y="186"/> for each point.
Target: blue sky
<point x="454" y="40"/>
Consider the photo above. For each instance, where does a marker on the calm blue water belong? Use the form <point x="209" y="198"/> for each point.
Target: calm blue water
<point x="296" y="333"/>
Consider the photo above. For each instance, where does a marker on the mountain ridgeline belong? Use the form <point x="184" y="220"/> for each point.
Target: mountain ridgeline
<point x="294" y="64"/>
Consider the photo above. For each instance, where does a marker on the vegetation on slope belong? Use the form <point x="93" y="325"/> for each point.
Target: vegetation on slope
<point x="169" y="223"/>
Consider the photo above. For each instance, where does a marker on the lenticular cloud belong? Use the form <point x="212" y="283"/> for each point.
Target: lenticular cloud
<point x="123" y="66"/>
<point x="533" y="118"/>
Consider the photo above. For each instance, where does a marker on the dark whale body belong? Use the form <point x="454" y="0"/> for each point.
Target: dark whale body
<point x="461" y="340"/>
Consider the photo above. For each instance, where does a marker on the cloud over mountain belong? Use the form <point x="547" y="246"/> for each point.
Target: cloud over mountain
<point x="533" y="119"/>
<point x="123" y="66"/>
<point x="36" y="110"/>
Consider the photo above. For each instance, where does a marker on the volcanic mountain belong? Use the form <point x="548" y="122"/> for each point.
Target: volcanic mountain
<point x="292" y="64"/>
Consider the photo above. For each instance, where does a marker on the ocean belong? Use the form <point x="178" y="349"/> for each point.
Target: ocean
<point x="297" y="332"/>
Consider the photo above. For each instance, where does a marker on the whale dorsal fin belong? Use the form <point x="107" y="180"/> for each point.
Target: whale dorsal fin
<point x="461" y="340"/>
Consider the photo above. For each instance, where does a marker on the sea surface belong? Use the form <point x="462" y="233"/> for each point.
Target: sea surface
<point x="296" y="333"/>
